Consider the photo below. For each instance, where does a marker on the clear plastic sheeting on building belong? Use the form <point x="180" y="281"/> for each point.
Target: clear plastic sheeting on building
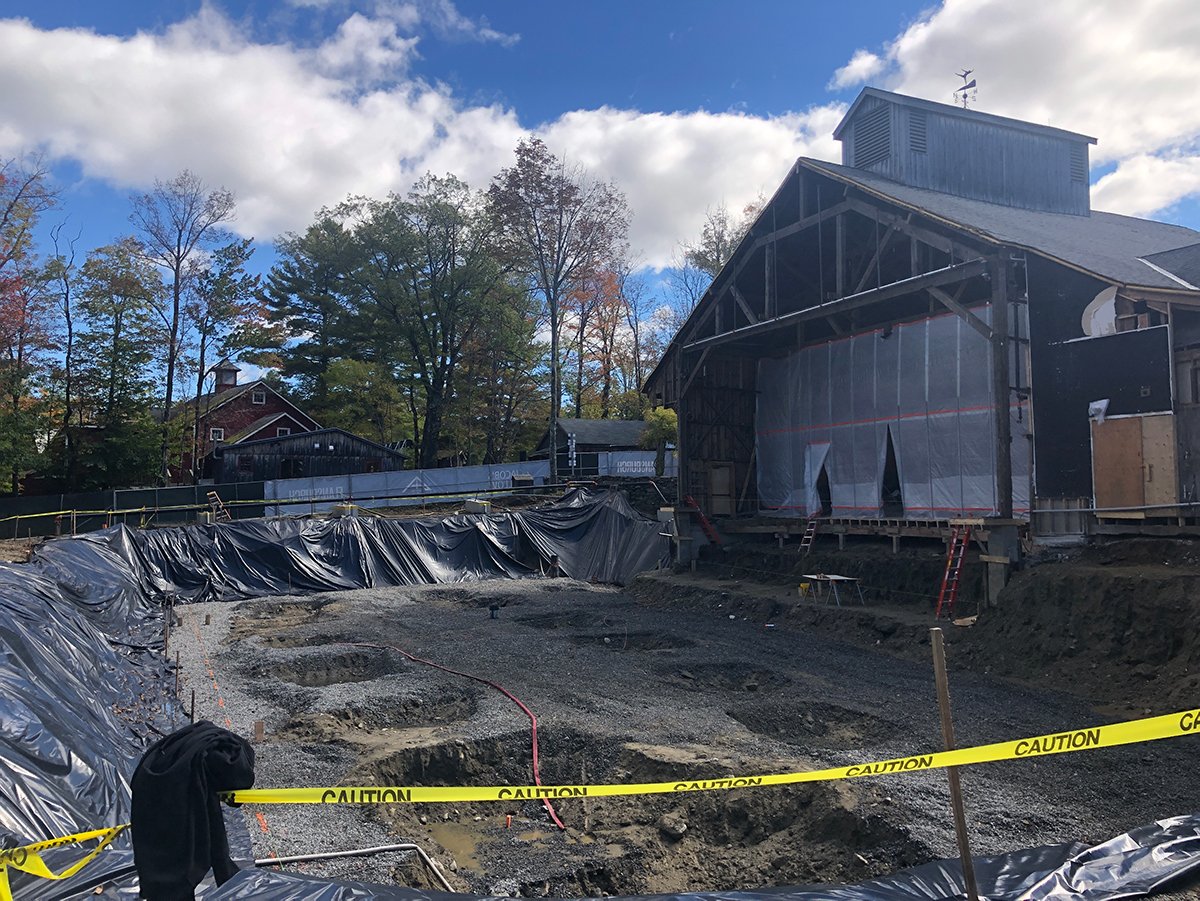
<point x="895" y="424"/>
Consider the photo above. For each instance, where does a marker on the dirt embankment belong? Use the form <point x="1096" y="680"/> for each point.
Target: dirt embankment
<point x="1114" y="623"/>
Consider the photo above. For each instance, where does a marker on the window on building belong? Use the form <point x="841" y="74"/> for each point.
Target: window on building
<point x="258" y="397"/>
<point x="281" y="431"/>
<point x="245" y="464"/>
<point x="216" y="434"/>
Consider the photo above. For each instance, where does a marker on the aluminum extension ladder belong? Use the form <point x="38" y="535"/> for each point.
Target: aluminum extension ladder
<point x="219" y="511"/>
<point x="960" y="538"/>
<point x="810" y="535"/>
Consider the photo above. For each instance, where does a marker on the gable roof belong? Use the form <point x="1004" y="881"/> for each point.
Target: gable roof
<point x="609" y="432"/>
<point x="1107" y="245"/>
<point x="258" y="425"/>
<point x="317" y="434"/>
<point x="946" y="109"/>
<point x="186" y="407"/>
<point x="1183" y="263"/>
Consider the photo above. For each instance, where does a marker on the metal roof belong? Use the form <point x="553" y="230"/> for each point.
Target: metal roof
<point x="946" y="109"/>
<point x="602" y="432"/>
<point x="1183" y="263"/>
<point x="1105" y="244"/>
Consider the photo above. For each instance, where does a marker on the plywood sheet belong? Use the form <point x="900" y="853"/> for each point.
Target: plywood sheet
<point x="1158" y="457"/>
<point x="721" y="489"/>
<point x="1117" y="462"/>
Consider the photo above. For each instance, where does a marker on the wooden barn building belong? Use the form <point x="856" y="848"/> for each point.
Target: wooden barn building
<point x="321" y="452"/>
<point x="940" y="328"/>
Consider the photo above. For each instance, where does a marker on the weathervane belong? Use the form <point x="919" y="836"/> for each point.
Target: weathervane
<point x="967" y="92"/>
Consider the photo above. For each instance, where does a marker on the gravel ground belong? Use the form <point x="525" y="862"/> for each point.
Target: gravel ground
<point x="594" y="661"/>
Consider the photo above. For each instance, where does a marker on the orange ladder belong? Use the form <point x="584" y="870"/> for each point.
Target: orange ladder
<point x="960" y="538"/>
<point x="706" y="526"/>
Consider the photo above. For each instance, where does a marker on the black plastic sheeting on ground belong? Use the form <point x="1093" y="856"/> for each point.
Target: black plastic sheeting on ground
<point x="1132" y="864"/>
<point x="81" y="694"/>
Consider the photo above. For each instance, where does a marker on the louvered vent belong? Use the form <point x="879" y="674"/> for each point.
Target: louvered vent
<point x="1079" y="166"/>
<point x="873" y="137"/>
<point x="916" y="132"/>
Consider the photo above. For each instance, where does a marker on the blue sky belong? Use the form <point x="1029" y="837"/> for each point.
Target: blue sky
<point x="295" y="104"/>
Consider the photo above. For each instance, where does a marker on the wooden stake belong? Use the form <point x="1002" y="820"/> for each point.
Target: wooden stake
<point x="192" y="713"/>
<point x="259" y="731"/>
<point x="177" y="674"/>
<point x="956" y="801"/>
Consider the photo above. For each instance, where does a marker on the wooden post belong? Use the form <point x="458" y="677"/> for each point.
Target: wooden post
<point x="259" y="731"/>
<point x="956" y="801"/>
<point x="176" y="674"/>
<point x="840" y="255"/>
<point x="192" y="712"/>
<point x="1000" y="388"/>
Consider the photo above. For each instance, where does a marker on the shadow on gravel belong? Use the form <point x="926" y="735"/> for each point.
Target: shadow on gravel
<point x="812" y="724"/>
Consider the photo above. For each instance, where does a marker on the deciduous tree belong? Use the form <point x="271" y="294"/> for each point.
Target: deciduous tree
<point x="176" y="220"/>
<point x="558" y="225"/>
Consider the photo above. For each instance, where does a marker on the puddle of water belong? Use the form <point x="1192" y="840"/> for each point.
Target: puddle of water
<point x="460" y="840"/>
<point x="534" y="835"/>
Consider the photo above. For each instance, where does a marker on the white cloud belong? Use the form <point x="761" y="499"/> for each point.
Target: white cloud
<point x="290" y="129"/>
<point x="367" y="50"/>
<point x="1146" y="184"/>
<point x="1122" y="72"/>
<point x="673" y="166"/>
<point x="445" y="19"/>
<point x="863" y="66"/>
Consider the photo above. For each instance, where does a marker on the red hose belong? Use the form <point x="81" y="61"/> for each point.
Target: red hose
<point x="537" y="776"/>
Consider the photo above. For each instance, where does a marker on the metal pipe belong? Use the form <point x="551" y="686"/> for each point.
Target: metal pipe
<point x="361" y="852"/>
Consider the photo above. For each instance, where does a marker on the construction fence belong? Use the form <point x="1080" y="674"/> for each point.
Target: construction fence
<point x="67" y="514"/>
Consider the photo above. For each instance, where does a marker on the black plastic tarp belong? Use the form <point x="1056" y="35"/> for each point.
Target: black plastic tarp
<point x="596" y="536"/>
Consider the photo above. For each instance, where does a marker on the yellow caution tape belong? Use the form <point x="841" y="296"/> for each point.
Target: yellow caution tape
<point x="28" y="858"/>
<point x="1173" y="725"/>
<point x="1134" y="731"/>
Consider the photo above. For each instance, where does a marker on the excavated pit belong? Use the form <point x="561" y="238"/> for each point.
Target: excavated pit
<point x="624" y="640"/>
<point x="735" y="677"/>
<point x="663" y="843"/>
<point x="812" y="725"/>
<point x="316" y="670"/>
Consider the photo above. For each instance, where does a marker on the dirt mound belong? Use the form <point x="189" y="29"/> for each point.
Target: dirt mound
<point x="1109" y="625"/>
<point x="256" y="618"/>
<point x="349" y="724"/>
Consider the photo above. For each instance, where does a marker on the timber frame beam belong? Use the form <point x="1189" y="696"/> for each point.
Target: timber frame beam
<point x="905" y="226"/>
<point x="951" y="303"/>
<point x="949" y="275"/>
